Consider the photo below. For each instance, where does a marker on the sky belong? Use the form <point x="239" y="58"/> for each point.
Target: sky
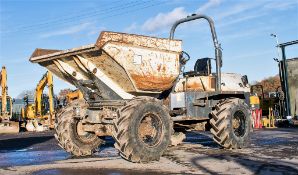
<point x="243" y="28"/>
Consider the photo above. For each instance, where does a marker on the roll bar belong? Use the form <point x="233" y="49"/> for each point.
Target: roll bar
<point x="218" y="53"/>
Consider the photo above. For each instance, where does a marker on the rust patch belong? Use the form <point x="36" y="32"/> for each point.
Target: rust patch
<point x="212" y="81"/>
<point x="194" y="86"/>
<point x="151" y="70"/>
<point x="164" y="69"/>
<point x="152" y="83"/>
<point x="200" y="83"/>
<point x="158" y="67"/>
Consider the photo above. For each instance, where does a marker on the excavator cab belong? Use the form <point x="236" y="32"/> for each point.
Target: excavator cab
<point x="8" y="106"/>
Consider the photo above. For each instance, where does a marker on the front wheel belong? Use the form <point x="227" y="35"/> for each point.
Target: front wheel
<point x="70" y="135"/>
<point x="231" y="123"/>
<point x="142" y="130"/>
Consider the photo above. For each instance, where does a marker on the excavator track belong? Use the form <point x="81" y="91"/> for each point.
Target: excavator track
<point x="9" y="127"/>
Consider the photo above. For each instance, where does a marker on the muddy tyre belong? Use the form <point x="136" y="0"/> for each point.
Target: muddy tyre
<point x="69" y="134"/>
<point x="142" y="130"/>
<point x="231" y="122"/>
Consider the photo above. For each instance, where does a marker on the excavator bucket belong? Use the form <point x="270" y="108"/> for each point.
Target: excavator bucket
<point x="9" y="127"/>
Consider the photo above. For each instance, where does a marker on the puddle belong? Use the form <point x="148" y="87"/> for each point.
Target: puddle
<point x="23" y="150"/>
<point x="31" y="157"/>
<point x="107" y="152"/>
<point x="69" y="171"/>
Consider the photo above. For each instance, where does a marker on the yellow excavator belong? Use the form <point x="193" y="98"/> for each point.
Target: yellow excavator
<point x="40" y="115"/>
<point x="6" y="124"/>
<point x="73" y="95"/>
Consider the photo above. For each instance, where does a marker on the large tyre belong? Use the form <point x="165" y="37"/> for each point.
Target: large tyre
<point x="231" y="123"/>
<point x="142" y="130"/>
<point x="70" y="135"/>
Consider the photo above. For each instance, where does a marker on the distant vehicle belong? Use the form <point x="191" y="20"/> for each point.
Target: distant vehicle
<point x="7" y="125"/>
<point x="39" y="113"/>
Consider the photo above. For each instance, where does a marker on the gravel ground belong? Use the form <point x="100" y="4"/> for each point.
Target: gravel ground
<point x="271" y="151"/>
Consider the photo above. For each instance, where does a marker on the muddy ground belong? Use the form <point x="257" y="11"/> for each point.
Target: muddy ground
<point x="271" y="151"/>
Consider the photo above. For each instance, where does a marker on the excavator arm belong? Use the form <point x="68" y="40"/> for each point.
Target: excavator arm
<point x="6" y="125"/>
<point x="47" y="80"/>
<point x="33" y="112"/>
<point x="77" y="94"/>
<point x="51" y="93"/>
<point x="3" y="79"/>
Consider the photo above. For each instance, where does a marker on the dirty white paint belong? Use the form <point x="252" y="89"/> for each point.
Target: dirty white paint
<point x="229" y="82"/>
<point x="149" y="69"/>
<point x="139" y="40"/>
<point x="85" y="64"/>
<point x="66" y="68"/>
<point x="233" y="82"/>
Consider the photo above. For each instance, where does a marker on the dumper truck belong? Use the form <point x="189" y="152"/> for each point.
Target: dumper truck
<point x="135" y="90"/>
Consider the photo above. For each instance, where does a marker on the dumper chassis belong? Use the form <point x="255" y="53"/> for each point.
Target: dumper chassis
<point x="134" y="91"/>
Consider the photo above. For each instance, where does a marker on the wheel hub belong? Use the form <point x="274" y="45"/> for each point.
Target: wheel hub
<point x="80" y="129"/>
<point x="238" y="123"/>
<point x="149" y="129"/>
<point x="81" y="134"/>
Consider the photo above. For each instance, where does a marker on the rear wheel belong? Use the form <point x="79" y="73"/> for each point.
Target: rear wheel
<point x="231" y="122"/>
<point x="70" y="134"/>
<point x="142" y="130"/>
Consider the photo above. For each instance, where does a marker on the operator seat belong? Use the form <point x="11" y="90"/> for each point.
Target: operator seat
<point x="201" y="68"/>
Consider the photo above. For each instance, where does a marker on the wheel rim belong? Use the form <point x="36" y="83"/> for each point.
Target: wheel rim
<point x="150" y="129"/>
<point x="81" y="134"/>
<point x="238" y="123"/>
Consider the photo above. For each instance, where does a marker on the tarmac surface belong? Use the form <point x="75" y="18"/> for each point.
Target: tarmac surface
<point x="271" y="151"/>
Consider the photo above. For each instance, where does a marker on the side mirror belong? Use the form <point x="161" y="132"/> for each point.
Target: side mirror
<point x="244" y="80"/>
